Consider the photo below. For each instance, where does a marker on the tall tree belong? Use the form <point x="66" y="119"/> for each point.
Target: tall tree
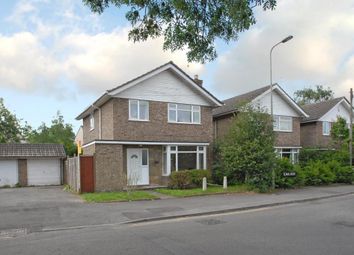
<point x="58" y="132"/>
<point x="191" y="25"/>
<point x="10" y="128"/>
<point x="310" y="96"/>
<point x="340" y="132"/>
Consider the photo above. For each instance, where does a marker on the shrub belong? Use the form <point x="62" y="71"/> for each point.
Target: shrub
<point x="284" y="165"/>
<point x="308" y="155"/>
<point x="180" y="180"/>
<point x="318" y="172"/>
<point x="196" y="176"/>
<point x="344" y="174"/>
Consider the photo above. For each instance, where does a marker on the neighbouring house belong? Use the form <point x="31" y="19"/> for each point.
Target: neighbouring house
<point x="316" y="128"/>
<point x="31" y="164"/>
<point x="148" y="127"/>
<point x="287" y="116"/>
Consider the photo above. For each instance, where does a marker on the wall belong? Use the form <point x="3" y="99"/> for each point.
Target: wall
<point x="289" y="139"/>
<point x="338" y="110"/>
<point x="312" y="136"/>
<point x="90" y="135"/>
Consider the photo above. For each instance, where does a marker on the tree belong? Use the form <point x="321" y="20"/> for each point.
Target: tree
<point x="10" y="127"/>
<point x="247" y="152"/>
<point x="58" y="132"/>
<point x="194" y="25"/>
<point x="310" y="96"/>
<point x="340" y="132"/>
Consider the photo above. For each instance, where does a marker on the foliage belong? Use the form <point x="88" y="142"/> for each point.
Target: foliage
<point x="340" y="132"/>
<point x="240" y="188"/>
<point x="247" y="151"/>
<point x="117" y="196"/>
<point x="284" y="165"/>
<point x="310" y="96"/>
<point x="10" y="126"/>
<point x="344" y="174"/>
<point x="313" y="154"/>
<point x="180" y="180"/>
<point x="196" y="176"/>
<point x="191" y="25"/>
<point x="58" y="132"/>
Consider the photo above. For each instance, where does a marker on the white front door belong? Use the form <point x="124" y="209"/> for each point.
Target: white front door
<point x="138" y="166"/>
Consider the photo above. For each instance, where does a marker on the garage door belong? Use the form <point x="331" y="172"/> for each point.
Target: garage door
<point x="8" y="172"/>
<point x="43" y="172"/>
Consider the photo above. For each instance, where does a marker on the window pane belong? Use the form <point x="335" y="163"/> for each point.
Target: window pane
<point x="285" y="123"/>
<point x="173" y="162"/>
<point x="196" y="117"/>
<point x="144" y="110"/>
<point x="173" y="148"/>
<point x="165" y="164"/>
<point x="184" y="116"/>
<point x="185" y="107"/>
<point x="133" y="109"/>
<point x="92" y="122"/>
<point x="201" y="161"/>
<point x="144" y="158"/>
<point x="172" y="106"/>
<point x="187" y="148"/>
<point x="172" y="115"/>
<point x="187" y="161"/>
<point x="276" y="122"/>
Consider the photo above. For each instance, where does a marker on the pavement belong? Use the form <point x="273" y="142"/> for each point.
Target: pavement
<point x="322" y="227"/>
<point x="39" y="209"/>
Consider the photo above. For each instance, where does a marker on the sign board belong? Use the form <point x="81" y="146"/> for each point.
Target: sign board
<point x="289" y="174"/>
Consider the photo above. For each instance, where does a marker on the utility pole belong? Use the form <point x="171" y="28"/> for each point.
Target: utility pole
<point x="351" y="129"/>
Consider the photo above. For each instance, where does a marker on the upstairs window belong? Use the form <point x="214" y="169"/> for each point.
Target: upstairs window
<point x="184" y="113"/>
<point x="92" y="121"/>
<point x="138" y="110"/>
<point x="283" y="123"/>
<point x="326" y="128"/>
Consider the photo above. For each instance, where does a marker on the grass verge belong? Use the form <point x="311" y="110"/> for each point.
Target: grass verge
<point x="210" y="191"/>
<point x="120" y="196"/>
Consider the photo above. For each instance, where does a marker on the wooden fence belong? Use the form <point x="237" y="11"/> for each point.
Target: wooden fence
<point x="79" y="174"/>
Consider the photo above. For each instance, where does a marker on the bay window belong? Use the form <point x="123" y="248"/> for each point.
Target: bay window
<point x="138" y="110"/>
<point x="283" y="123"/>
<point x="183" y="113"/>
<point x="183" y="158"/>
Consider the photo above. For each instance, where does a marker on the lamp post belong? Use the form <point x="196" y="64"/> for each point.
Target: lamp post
<point x="271" y="91"/>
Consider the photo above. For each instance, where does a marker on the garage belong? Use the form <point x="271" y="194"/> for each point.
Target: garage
<point x="8" y="173"/>
<point x="43" y="172"/>
<point x="31" y="164"/>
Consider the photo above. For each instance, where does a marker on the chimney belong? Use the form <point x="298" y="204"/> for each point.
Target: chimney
<point x="196" y="80"/>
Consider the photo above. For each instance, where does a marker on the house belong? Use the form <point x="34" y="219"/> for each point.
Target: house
<point x="148" y="127"/>
<point x="287" y="117"/>
<point x="31" y="164"/>
<point x="316" y="128"/>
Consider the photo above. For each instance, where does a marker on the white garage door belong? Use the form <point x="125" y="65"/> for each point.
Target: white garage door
<point x="8" y="172"/>
<point x="43" y="172"/>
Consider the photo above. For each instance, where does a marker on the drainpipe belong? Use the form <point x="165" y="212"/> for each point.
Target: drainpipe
<point x="99" y="121"/>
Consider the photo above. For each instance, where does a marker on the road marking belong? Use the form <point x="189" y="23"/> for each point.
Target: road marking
<point x="13" y="233"/>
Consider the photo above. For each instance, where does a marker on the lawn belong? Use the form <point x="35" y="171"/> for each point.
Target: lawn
<point x="116" y="196"/>
<point x="211" y="190"/>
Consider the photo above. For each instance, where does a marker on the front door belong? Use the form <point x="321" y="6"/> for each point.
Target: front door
<point x="138" y="167"/>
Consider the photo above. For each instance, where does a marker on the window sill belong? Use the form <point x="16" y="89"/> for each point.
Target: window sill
<point x="91" y="129"/>
<point x="326" y="134"/>
<point x="184" y="123"/>
<point x="283" y="131"/>
<point x="139" y="120"/>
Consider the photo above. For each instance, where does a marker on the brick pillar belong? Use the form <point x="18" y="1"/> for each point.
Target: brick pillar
<point x="22" y="172"/>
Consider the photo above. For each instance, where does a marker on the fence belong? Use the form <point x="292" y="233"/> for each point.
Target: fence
<point x="80" y="174"/>
<point x="73" y="173"/>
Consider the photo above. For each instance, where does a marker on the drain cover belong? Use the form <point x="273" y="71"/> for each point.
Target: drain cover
<point x="12" y="233"/>
<point x="210" y="222"/>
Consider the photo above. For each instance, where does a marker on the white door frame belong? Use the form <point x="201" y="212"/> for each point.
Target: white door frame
<point x="142" y="173"/>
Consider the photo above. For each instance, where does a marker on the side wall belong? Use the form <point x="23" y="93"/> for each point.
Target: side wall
<point x="311" y="135"/>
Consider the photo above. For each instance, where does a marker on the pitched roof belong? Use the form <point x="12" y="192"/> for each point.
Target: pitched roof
<point x="26" y="150"/>
<point x="107" y="95"/>
<point x="317" y="110"/>
<point x="231" y="103"/>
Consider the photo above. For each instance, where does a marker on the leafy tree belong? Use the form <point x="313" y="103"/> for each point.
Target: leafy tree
<point x="310" y="96"/>
<point x="58" y="132"/>
<point x="10" y="126"/>
<point x="247" y="152"/>
<point x="340" y="132"/>
<point x="194" y="25"/>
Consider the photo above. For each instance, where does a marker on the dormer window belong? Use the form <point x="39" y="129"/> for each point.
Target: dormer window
<point x="92" y="122"/>
<point x="138" y="110"/>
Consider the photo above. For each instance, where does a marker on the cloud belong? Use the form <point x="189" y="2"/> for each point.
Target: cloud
<point x="321" y="52"/>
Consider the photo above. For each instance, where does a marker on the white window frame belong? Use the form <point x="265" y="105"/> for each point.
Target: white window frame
<point x="326" y="125"/>
<point x="276" y="123"/>
<point x="92" y="121"/>
<point x="172" y="149"/>
<point x="194" y="109"/>
<point x="138" y="103"/>
<point x="293" y="152"/>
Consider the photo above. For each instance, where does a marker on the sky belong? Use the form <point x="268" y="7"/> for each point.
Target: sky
<point x="55" y="55"/>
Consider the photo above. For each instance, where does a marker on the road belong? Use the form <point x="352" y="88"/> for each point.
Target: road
<point x="320" y="227"/>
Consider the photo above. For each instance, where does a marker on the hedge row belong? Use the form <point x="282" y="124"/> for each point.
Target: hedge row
<point x="188" y="178"/>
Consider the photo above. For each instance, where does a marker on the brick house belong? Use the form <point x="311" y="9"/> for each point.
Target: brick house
<point x="148" y="127"/>
<point x="316" y="129"/>
<point x="287" y="116"/>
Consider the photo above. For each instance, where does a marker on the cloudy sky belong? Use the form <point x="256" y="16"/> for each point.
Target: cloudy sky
<point x="57" y="55"/>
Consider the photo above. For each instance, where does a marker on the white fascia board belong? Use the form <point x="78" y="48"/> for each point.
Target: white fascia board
<point x="286" y="97"/>
<point x="287" y="147"/>
<point x="144" y="143"/>
<point x="163" y="68"/>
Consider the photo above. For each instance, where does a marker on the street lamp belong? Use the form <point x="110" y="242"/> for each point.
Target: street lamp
<point x="271" y="91"/>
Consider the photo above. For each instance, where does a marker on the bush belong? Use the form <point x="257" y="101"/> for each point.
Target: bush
<point x="318" y="172"/>
<point x="188" y="178"/>
<point x="284" y="165"/>
<point x="306" y="156"/>
<point x="344" y="174"/>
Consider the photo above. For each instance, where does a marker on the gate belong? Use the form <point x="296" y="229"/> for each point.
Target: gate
<point x="87" y="183"/>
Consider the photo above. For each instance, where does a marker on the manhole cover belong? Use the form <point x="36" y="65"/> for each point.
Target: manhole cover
<point x="210" y="222"/>
<point x="12" y="233"/>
